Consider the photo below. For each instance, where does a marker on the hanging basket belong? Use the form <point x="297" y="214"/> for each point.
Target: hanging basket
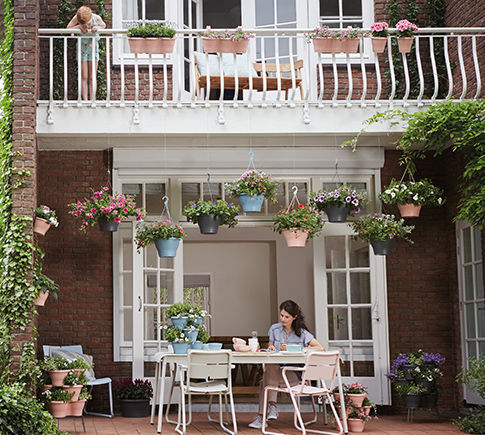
<point x="337" y="213"/>
<point x="167" y="247"/>
<point x="208" y="223"/>
<point x="409" y="210"/>
<point x="107" y="226"/>
<point x="41" y="226"/>
<point x="382" y="247"/>
<point x="251" y="204"/>
<point x="295" y="238"/>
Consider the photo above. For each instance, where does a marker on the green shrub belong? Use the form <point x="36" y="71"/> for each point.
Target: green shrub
<point x="473" y="423"/>
<point x="474" y="376"/>
<point x="56" y="363"/>
<point x="23" y="414"/>
<point x="151" y="30"/>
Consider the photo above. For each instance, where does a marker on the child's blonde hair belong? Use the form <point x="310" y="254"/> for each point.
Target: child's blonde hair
<point x="84" y="15"/>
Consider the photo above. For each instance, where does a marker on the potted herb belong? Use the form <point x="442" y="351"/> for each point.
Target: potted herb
<point x="178" y="338"/>
<point x="134" y="396"/>
<point x="411" y="195"/>
<point x="227" y="41"/>
<point x="297" y="225"/>
<point x="105" y="209"/>
<point x="76" y="408"/>
<point x="252" y="188"/>
<point x="357" y="418"/>
<point x="73" y="383"/>
<point x="381" y="230"/>
<point x="339" y="203"/>
<point x="44" y="219"/>
<point x="379" y="36"/>
<point x="58" y="369"/>
<point x="410" y="393"/>
<point x="57" y="401"/>
<point x="151" y="38"/>
<point x="405" y="35"/>
<point x="326" y="40"/>
<point x="210" y="214"/>
<point x="165" y="235"/>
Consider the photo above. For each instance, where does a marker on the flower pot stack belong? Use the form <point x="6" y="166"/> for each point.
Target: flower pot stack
<point x="357" y="406"/>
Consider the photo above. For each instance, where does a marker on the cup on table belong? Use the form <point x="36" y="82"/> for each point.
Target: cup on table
<point x="283" y="346"/>
<point x="294" y="348"/>
<point x="253" y="344"/>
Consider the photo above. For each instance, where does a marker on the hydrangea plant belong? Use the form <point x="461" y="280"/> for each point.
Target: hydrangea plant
<point x="381" y="227"/>
<point x="343" y="195"/>
<point x="422" y="192"/>
<point x="253" y="182"/>
<point x="227" y="213"/>
<point x="301" y="218"/>
<point x="46" y="213"/>
<point x="147" y="234"/>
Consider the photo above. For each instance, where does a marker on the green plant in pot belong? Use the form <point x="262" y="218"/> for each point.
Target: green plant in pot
<point x="45" y="218"/>
<point x="410" y="196"/>
<point x="134" y="397"/>
<point x="166" y="236"/>
<point x="58" y="368"/>
<point x="73" y="384"/>
<point x="356" y="418"/>
<point x="76" y="407"/>
<point x="381" y="230"/>
<point x="211" y="214"/>
<point x="410" y="393"/>
<point x="151" y="38"/>
<point x="338" y="203"/>
<point x="252" y="188"/>
<point x="57" y="401"/>
<point x="43" y="284"/>
<point x="177" y="337"/>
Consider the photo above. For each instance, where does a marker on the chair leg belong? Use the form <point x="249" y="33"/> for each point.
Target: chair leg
<point x="174" y="377"/>
<point x="99" y="414"/>
<point x="155" y="395"/>
<point x="298" y="414"/>
<point x="233" y="413"/>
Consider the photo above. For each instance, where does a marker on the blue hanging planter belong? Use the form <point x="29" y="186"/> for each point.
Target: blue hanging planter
<point x="251" y="203"/>
<point x="180" y="348"/>
<point x="191" y="334"/>
<point x="167" y="247"/>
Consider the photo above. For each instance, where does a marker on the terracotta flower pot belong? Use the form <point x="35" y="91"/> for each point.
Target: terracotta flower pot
<point x="378" y="44"/>
<point x="348" y="45"/>
<point x="225" y="45"/>
<point x="45" y="388"/>
<point x="41" y="226"/>
<point x="76" y="407"/>
<point x="295" y="238"/>
<point x="356" y="425"/>
<point x="76" y="389"/>
<point x="58" y="409"/>
<point x="151" y="45"/>
<point x="324" y="45"/>
<point x="367" y="409"/>
<point x="357" y="399"/>
<point x="79" y="371"/>
<point x="405" y="44"/>
<point x="40" y="301"/>
<point x="58" y="376"/>
<point x="409" y="210"/>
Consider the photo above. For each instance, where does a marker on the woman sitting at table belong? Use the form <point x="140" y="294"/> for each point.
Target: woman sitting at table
<point x="290" y="330"/>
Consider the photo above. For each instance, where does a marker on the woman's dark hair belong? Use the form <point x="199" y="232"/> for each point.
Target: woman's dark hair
<point x="292" y="308"/>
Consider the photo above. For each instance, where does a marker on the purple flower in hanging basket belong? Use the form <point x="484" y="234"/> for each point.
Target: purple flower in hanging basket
<point x="348" y="199"/>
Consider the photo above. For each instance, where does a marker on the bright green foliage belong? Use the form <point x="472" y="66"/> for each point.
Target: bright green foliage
<point x="253" y="182"/>
<point x="474" y="376"/>
<point x="151" y="30"/>
<point x="421" y="192"/>
<point x="146" y="234"/>
<point x="410" y="388"/>
<point x="203" y="335"/>
<point x="174" y="335"/>
<point x="473" y="423"/>
<point x="381" y="227"/>
<point x="220" y="209"/>
<point x="56" y="363"/>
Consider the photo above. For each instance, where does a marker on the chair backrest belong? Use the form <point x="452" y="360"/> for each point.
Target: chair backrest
<point x="209" y="364"/>
<point x="74" y="348"/>
<point x="321" y="366"/>
<point x="271" y="68"/>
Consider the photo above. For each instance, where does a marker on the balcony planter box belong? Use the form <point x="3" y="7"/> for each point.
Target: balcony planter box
<point x="76" y="407"/>
<point x="409" y="210"/>
<point x="411" y="400"/>
<point x="40" y="301"/>
<point x="348" y="45"/>
<point x="107" y="226"/>
<point x="223" y="45"/>
<point x="151" y="45"/>
<point x="58" y="409"/>
<point x="208" y="224"/>
<point x="405" y="44"/>
<point x="295" y="238"/>
<point x="167" y="247"/>
<point x="382" y="247"/>
<point x="41" y="226"/>
<point x="251" y="203"/>
<point x="337" y="213"/>
<point x="324" y="45"/>
<point x="135" y="408"/>
<point x="378" y="44"/>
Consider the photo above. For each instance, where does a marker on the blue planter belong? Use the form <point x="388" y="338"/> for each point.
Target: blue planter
<point x="180" y="348"/>
<point x="167" y="247"/>
<point x="179" y="322"/>
<point x="198" y="345"/>
<point x="251" y="203"/>
<point x="192" y="334"/>
<point x="198" y="321"/>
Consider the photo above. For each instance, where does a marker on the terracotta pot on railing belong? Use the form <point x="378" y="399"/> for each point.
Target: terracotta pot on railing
<point x="378" y="44"/>
<point x="405" y="44"/>
<point x="151" y="45"/>
<point x="409" y="210"/>
<point x="348" y="45"/>
<point x="225" y="45"/>
<point x="324" y="45"/>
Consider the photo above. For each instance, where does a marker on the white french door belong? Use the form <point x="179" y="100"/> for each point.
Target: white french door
<point x="472" y="299"/>
<point x="351" y="308"/>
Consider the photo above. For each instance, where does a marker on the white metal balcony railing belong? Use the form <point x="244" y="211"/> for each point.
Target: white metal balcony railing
<point x="361" y="79"/>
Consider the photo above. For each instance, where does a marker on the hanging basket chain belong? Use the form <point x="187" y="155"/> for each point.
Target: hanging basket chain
<point x="336" y="176"/>
<point x="295" y="202"/>
<point x="407" y="171"/>
<point x="251" y="161"/>
<point x="165" y="209"/>
<point x="209" y="186"/>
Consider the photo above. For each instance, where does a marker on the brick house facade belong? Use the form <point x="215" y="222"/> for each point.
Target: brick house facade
<point x="422" y="282"/>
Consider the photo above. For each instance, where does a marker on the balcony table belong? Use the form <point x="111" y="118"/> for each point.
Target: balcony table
<point x="162" y="359"/>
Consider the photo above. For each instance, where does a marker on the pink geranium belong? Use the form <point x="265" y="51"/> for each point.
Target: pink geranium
<point x="379" y="29"/>
<point x="406" y="29"/>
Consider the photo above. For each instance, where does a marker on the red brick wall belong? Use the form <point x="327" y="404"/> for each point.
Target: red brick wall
<point x="422" y="281"/>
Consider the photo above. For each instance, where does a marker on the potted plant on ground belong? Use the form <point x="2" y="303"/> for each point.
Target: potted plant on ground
<point x="134" y="396"/>
<point x="57" y="401"/>
<point x="210" y="214"/>
<point x="410" y="393"/>
<point x="166" y="236"/>
<point x="405" y="35"/>
<point x="44" y="219"/>
<point x="338" y="203"/>
<point x="177" y="337"/>
<point x="58" y="369"/>
<point x="76" y="408"/>
<point x="356" y="393"/>
<point x="151" y="38"/>
<point x="381" y="230"/>
<point x="356" y="419"/>
<point x="105" y="209"/>
<point x="252" y="187"/>
<point x="411" y="195"/>
<point x="326" y="40"/>
<point x="226" y="41"/>
<point x="379" y="36"/>
<point x="297" y="224"/>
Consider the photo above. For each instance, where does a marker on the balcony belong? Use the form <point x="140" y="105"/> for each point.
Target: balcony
<point x="291" y="88"/>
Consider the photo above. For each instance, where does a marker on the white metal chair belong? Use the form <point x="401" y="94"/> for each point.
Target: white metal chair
<point x="77" y="348"/>
<point x="206" y="373"/>
<point x="319" y="366"/>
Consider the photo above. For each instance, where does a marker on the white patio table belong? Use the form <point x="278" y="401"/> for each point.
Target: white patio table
<point x="162" y="359"/>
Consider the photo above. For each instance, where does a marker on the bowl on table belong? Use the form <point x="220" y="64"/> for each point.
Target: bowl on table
<point x="215" y="346"/>
<point x="294" y="348"/>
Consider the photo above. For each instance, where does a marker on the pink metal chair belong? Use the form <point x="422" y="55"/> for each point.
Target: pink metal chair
<point x="319" y="366"/>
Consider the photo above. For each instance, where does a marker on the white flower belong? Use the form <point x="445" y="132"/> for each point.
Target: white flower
<point x="388" y="192"/>
<point x="415" y="197"/>
<point x="393" y="194"/>
<point x="440" y="200"/>
<point x="403" y="187"/>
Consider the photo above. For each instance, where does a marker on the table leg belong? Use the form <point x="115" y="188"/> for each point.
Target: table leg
<point x="154" y="404"/>
<point x="161" y="395"/>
